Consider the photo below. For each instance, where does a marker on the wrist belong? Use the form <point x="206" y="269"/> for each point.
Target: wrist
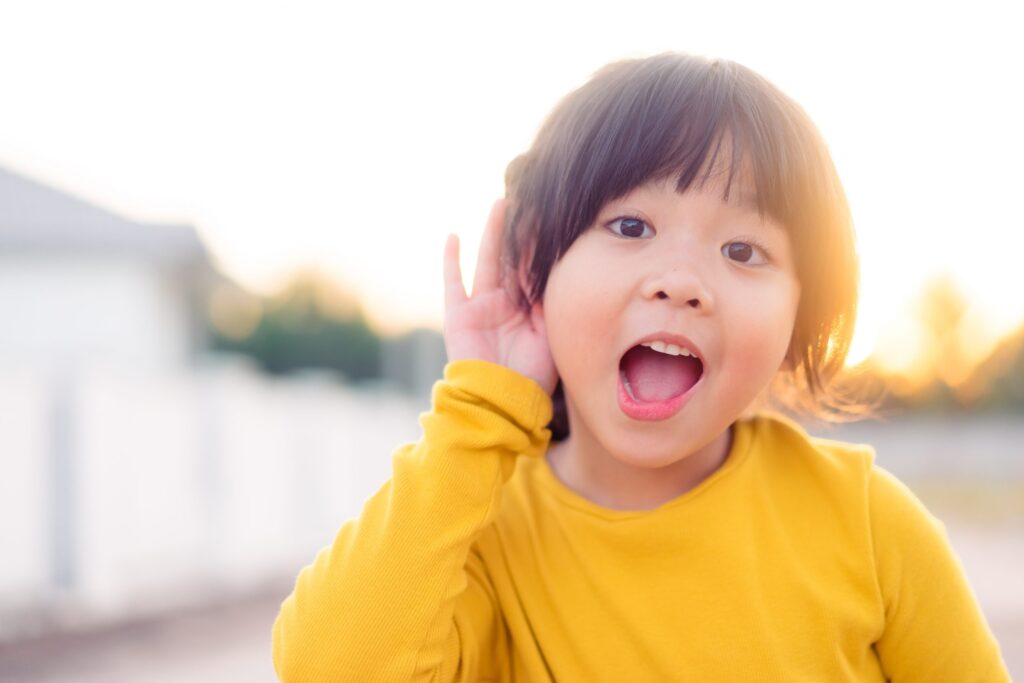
<point x="513" y="392"/>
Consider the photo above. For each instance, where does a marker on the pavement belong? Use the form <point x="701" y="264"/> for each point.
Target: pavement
<point x="222" y="643"/>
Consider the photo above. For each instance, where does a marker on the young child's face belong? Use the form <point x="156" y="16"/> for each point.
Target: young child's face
<point x="688" y="269"/>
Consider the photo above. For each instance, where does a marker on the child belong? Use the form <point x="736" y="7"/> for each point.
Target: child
<point x="675" y="240"/>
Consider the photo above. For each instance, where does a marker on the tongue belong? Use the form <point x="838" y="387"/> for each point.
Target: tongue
<point x="654" y="376"/>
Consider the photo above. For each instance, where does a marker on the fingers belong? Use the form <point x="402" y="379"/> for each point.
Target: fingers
<point x="488" y="265"/>
<point x="454" y="291"/>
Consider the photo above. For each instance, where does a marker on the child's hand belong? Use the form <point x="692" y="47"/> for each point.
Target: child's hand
<point x="489" y="325"/>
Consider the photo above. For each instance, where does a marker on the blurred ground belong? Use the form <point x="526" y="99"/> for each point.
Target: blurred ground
<point x="993" y="559"/>
<point x="224" y="643"/>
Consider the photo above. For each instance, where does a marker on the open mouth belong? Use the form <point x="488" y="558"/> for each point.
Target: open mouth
<point x="654" y="379"/>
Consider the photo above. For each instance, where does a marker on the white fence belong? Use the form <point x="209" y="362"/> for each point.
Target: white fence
<point x="122" y="493"/>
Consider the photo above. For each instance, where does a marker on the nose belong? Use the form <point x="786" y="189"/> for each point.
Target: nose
<point x="682" y="285"/>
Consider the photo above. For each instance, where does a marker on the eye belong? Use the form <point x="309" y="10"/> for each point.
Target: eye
<point x="746" y="253"/>
<point x="630" y="227"/>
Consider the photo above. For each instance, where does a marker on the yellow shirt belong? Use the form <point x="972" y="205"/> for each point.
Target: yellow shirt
<point x="797" y="560"/>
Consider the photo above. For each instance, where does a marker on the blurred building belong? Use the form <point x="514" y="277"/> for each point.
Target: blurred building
<point x="139" y="472"/>
<point x="80" y="284"/>
<point x="414" y="361"/>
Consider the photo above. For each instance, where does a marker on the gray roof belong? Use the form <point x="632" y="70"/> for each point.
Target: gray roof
<point x="41" y="219"/>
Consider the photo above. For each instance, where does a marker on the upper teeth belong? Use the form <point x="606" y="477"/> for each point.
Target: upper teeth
<point x="670" y="349"/>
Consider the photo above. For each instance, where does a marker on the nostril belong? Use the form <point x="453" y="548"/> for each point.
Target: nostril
<point x="692" y="303"/>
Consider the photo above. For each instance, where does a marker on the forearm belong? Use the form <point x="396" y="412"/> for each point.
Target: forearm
<point x="377" y="605"/>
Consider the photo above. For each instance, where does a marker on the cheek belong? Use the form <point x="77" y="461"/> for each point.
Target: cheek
<point x="758" y="359"/>
<point x="579" y="317"/>
<point x="763" y="326"/>
<point x="570" y="333"/>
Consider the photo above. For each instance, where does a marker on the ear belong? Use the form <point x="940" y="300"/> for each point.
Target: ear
<point x="523" y="279"/>
<point x="537" y="318"/>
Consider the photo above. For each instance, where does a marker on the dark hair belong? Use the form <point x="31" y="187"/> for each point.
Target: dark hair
<point x="676" y="115"/>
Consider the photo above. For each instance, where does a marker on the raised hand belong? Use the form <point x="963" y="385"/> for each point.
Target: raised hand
<point x="490" y="325"/>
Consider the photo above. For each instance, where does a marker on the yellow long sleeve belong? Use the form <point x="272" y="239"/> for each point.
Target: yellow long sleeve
<point x="799" y="559"/>
<point x="379" y="604"/>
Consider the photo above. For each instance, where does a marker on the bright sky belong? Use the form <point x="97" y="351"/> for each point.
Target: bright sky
<point x="355" y="136"/>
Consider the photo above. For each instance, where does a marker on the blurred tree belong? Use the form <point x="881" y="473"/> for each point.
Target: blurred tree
<point x="311" y="323"/>
<point x="947" y="373"/>
<point x="998" y="382"/>
<point x="941" y="312"/>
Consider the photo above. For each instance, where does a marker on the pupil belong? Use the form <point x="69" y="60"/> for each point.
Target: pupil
<point x="739" y="251"/>
<point x="631" y="227"/>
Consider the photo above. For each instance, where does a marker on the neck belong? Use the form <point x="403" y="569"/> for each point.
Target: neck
<point x="593" y="473"/>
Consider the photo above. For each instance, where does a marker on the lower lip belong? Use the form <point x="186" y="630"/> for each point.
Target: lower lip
<point x="654" y="410"/>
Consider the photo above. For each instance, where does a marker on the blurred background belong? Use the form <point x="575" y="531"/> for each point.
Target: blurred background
<point x="221" y="228"/>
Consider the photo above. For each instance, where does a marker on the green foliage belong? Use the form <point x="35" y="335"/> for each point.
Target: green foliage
<point x="310" y="324"/>
<point x="999" y="380"/>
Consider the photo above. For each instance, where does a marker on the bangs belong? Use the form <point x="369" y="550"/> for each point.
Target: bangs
<point x="691" y="119"/>
<point x="692" y="125"/>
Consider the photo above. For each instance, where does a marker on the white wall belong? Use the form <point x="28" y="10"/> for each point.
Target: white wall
<point x="24" y="492"/>
<point x="179" y="487"/>
<point x="82" y="308"/>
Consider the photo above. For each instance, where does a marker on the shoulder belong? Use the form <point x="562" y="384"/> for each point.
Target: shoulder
<point x="821" y="487"/>
<point x="842" y="471"/>
<point x="788" y="445"/>
<point x="871" y="527"/>
<point x="846" y="474"/>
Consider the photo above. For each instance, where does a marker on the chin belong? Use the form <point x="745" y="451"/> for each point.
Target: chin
<point x="651" y="451"/>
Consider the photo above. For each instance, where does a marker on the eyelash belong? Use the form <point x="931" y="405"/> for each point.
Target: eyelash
<point x="757" y="244"/>
<point x="626" y="217"/>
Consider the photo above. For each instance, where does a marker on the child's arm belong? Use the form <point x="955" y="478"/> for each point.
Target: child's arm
<point x="934" y="629"/>
<point x="400" y="595"/>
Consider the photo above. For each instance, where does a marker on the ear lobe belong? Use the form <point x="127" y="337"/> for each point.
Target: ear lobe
<point x="537" y="318"/>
